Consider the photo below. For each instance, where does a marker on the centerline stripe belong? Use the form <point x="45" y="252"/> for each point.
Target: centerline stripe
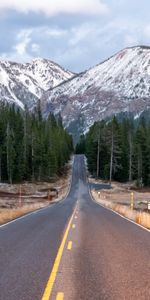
<point x="51" y="280"/>
<point x="69" y="247"/>
<point x="60" y="296"/>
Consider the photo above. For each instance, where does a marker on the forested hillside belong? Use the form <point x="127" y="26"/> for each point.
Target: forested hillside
<point x="118" y="150"/>
<point x="31" y="148"/>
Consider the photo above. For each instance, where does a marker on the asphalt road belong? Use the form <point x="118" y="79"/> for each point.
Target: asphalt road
<point x="99" y="254"/>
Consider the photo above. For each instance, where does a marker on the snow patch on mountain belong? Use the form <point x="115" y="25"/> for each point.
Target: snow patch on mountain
<point x="24" y="84"/>
<point x="121" y="83"/>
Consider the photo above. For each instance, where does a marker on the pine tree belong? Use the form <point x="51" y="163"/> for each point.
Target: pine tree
<point x="31" y="147"/>
<point x="10" y="153"/>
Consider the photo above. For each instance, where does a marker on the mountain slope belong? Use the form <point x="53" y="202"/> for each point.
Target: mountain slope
<point x="121" y="83"/>
<point x="25" y="83"/>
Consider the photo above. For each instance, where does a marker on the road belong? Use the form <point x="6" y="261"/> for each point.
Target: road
<point x="74" y="250"/>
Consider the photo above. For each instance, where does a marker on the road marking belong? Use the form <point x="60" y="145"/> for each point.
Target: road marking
<point x="60" y="296"/>
<point x="76" y="217"/>
<point x="23" y="217"/>
<point x="129" y="220"/>
<point x="69" y="247"/>
<point x="115" y="212"/>
<point x="51" y="280"/>
<point x="73" y="226"/>
<point x="40" y="209"/>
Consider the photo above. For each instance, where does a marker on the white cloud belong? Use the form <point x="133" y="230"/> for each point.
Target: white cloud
<point x="23" y="41"/>
<point x="76" y="47"/>
<point x="13" y="56"/>
<point x="81" y="33"/>
<point x="55" y="32"/>
<point x="19" y="51"/>
<point x="146" y="31"/>
<point x="35" y="48"/>
<point x="54" y="7"/>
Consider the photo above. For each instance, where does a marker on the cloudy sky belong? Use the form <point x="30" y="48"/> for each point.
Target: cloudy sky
<point x="74" y="33"/>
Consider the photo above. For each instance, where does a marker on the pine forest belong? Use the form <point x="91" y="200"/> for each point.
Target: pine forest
<point x="31" y="147"/>
<point x="118" y="150"/>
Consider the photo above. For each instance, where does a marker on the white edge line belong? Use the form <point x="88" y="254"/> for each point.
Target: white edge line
<point x="39" y="209"/>
<point x="24" y="216"/>
<point x="115" y="212"/>
<point x="70" y="184"/>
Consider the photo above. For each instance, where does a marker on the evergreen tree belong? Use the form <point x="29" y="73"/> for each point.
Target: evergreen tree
<point x="10" y="153"/>
<point x="119" y="150"/>
<point x="31" y="147"/>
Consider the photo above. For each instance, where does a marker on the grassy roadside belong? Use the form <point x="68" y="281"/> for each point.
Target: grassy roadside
<point x="118" y="199"/>
<point x="34" y="196"/>
<point x="7" y="215"/>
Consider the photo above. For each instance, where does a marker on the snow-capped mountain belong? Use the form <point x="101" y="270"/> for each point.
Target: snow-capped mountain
<point x="121" y="83"/>
<point x="25" y="83"/>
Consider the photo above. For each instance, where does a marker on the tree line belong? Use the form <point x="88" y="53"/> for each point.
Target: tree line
<point x="31" y="147"/>
<point x="118" y="150"/>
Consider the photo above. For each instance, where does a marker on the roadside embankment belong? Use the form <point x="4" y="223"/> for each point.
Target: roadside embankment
<point x="17" y="200"/>
<point x="130" y="203"/>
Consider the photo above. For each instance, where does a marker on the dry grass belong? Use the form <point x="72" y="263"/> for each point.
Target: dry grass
<point x="140" y="217"/>
<point x="34" y="196"/>
<point x="11" y="214"/>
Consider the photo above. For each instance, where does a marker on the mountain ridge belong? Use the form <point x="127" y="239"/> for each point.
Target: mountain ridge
<point x="24" y="84"/>
<point x="120" y="83"/>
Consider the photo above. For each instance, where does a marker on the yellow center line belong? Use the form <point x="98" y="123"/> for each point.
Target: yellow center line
<point x="69" y="247"/>
<point x="51" y="280"/>
<point x="60" y="296"/>
<point x="73" y="226"/>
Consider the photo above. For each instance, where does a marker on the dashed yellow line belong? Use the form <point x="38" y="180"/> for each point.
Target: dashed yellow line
<point x="73" y="226"/>
<point x="60" y="296"/>
<point x="51" y="280"/>
<point x="69" y="247"/>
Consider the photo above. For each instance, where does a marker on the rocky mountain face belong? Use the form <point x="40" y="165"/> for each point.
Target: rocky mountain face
<point x="121" y="83"/>
<point x="24" y="84"/>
